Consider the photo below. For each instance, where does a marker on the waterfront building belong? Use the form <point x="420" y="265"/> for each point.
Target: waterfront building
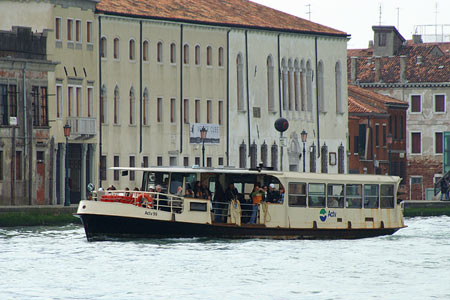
<point x="161" y="71"/>
<point x="418" y="74"/>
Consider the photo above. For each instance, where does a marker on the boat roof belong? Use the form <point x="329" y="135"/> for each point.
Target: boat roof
<point x="296" y="175"/>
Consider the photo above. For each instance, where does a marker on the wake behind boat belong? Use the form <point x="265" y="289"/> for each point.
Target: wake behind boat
<point x="238" y="203"/>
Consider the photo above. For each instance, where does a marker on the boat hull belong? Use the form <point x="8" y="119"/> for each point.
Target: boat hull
<point x="104" y="227"/>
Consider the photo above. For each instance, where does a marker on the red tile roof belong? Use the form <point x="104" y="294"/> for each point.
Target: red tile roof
<point x="241" y="13"/>
<point x="361" y="100"/>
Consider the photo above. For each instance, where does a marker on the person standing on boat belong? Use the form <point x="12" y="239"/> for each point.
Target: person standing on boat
<point x="273" y="196"/>
<point x="256" y="196"/>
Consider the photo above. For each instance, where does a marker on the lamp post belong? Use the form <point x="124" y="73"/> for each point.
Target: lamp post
<point x="389" y="142"/>
<point x="203" y="132"/>
<point x="67" y="188"/>
<point x="304" y="135"/>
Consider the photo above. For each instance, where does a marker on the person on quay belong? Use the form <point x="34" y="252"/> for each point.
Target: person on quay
<point x="444" y="189"/>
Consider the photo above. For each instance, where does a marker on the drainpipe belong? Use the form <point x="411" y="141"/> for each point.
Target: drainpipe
<point x="228" y="98"/>
<point x="279" y="97"/>
<point x="317" y="101"/>
<point x="181" y="89"/>
<point x="100" y="104"/>
<point x="140" y="87"/>
<point x="248" y="90"/>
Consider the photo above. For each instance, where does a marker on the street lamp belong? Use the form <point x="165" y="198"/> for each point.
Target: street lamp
<point x="203" y="132"/>
<point x="304" y="135"/>
<point x="67" y="189"/>
<point x="389" y="142"/>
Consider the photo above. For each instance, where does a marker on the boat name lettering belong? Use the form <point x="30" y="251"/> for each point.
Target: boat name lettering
<point x="151" y="213"/>
<point x="331" y="214"/>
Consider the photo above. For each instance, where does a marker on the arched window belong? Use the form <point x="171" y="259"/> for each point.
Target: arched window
<point x="338" y="83"/>
<point x="320" y="84"/>
<point x="240" y="83"/>
<point x="309" y="85"/>
<point x="220" y="57"/>
<point x="302" y="85"/>
<point x="186" y="54"/>
<point x="145" y="51"/>
<point x="116" y="48"/>
<point x="284" y="82"/>
<point x="197" y="55"/>
<point x="103" y="47"/>
<point x="270" y="85"/>
<point x="103" y="107"/>
<point x="173" y="53"/>
<point x="132" y="107"/>
<point x="290" y="85"/>
<point x="209" y="55"/>
<point x="116" y="105"/>
<point x="132" y="55"/>
<point x="145" y="108"/>
<point x="296" y="85"/>
<point x="159" y="50"/>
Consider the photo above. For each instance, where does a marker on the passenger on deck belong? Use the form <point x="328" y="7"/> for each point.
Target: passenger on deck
<point x="281" y="194"/>
<point x="198" y="190"/>
<point x="161" y="199"/>
<point x="231" y="193"/>
<point x="127" y="192"/>
<point x="273" y="196"/>
<point x="256" y="196"/>
<point x="206" y="192"/>
<point x="179" y="191"/>
<point x="189" y="193"/>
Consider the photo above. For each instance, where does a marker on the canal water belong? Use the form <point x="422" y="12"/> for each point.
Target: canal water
<point x="58" y="263"/>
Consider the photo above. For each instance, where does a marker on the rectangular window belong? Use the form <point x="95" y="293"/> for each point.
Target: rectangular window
<point x="4" y="118"/>
<point x="58" y="29"/>
<point x="416" y="104"/>
<point x="220" y="161"/>
<point x="220" y="116"/>
<point x="103" y="167"/>
<point x="69" y="100"/>
<point x="355" y="144"/>
<point x="159" y="110"/>
<point x="353" y="196"/>
<point x="1" y="165"/>
<point x="384" y="135"/>
<point x="377" y="135"/>
<point x="209" y="162"/>
<point x="78" y="102"/>
<point x="172" y="161"/>
<point x="208" y="111"/>
<point x="69" y="30"/>
<point x="159" y="161"/>
<point x="197" y="111"/>
<point x="416" y="142"/>
<point x="89" y="32"/>
<point x="335" y="195"/>
<point x="186" y="111"/>
<point x="145" y="161"/>
<point x="18" y="165"/>
<point x="43" y="109"/>
<point x="297" y="194"/>
<point x="439" y="103"/>
<point x="132" y="165"/>
<point x="172" y="110"/>
<point x="59" y="101"/>
<point x="90" y="103"/>
<point x="78" y="30"/>
<point x="116" y="164"/>
<point x="197" y="160"/>
<point x="316" y="195"/>
<point x="186" y="161"/>
<point x="438" y="140"/>
<point x="387" y="196"/>
<point x="371" y="197"/>
<point x="382" y="39"/>
<point x="35" y="104"/>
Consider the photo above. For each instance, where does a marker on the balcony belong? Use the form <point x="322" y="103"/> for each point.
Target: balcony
<point x="82" y="128"/>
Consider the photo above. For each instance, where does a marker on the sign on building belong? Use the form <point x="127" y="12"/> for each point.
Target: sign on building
<point x="212" y="133"/>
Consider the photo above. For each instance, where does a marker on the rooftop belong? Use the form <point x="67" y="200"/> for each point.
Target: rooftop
<point x="238" y="13"/>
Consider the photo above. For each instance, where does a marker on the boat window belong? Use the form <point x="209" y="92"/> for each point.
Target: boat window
<point x="238" y="186"/>
<point x="353" y="195"/>
<point x="387" y="196"/>
<point x="161" y="179"/>
<point x="212" y="184"/>
<point x="371" y="197"/>
<point x="316" y="195"/>
<point x="335" y="195"/>
<point x="190" y="180"/>
<point x="297" y="194"/>
<point x="176" y="181"/>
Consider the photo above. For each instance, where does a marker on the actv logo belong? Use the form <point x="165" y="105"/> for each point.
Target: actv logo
<point x="323" y="215"/>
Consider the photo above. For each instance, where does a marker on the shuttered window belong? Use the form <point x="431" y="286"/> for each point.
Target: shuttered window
<point x="416" y="146"/>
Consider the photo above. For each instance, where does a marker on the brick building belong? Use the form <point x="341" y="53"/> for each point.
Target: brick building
<point x="26" y="156"/>
<point x="416" y="73"/>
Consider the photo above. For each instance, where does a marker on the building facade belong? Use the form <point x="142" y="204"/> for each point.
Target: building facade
<point x="418" y="74"/>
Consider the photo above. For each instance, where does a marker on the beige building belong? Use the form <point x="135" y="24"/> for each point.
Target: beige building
<point x="158" y="72"/>
<point x="72" y="87"/>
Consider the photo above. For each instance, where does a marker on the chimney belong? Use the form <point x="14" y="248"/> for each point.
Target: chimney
<point x="371" y="44"/>
<point x="353" y="69"/>
<point x="417" y="39"/>
<point x="403" y="68"/>
<point x="378" y="69"/>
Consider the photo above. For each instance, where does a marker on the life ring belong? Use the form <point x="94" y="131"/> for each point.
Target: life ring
<point x="144" y="199"/>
